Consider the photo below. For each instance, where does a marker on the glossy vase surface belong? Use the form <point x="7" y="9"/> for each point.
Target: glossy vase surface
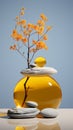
<point x="44" y="90"/>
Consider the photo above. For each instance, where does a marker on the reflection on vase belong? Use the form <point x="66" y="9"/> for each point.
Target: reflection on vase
<point x="40" y="126"/>
<point x="24" y="122"/>
<point x="48" y="127"/>
<point x="33" y="127"/>
<point x="20" y="128"/>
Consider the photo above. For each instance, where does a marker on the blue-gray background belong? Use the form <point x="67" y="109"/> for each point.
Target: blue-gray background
<point x="60" y="43"/>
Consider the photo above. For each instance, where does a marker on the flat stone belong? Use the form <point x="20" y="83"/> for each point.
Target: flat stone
<point x="39" y="71"/>
<point x="49" y="112"/>
<point x="31" y="104"/>
<point x="22" y="110"/>
<point x="20" y="113"/>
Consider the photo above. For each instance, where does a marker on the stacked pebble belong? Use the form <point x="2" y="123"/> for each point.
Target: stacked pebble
<point x="31" y="111"/>
<point x="47" y="112"/>
<point x="31" y="104"/>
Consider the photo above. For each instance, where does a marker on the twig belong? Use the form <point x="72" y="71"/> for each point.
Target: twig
<point x="21" y="53"/>
<point x="32" y="56"/>
<point x="25" y="88"/>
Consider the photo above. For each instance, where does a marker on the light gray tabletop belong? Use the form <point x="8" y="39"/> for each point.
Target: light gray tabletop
<point x="64" y="121"/>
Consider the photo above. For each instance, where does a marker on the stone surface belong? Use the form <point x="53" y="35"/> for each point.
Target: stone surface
<point x="49" y="112"/>
<point x="23" y="113"/>
<point x="31" y="104"/>
<point x="39" y="70"/>
<point x="23" y="110"/>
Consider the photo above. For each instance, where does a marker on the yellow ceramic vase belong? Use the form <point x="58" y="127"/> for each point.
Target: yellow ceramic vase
<point x="44" y="90"/>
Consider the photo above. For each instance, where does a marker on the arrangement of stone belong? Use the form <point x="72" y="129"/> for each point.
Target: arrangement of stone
<point x="31" y="111"/>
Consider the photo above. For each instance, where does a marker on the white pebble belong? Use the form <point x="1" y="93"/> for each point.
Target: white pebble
<point x="23" y="112"/>
<point x="31" y="104"/>
<point x="39" y="70"/>
<point x="49" y="112"/>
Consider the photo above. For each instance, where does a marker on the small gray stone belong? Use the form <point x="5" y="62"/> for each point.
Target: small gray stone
<point x="49" y="112"/>
<point x="31" y="104"/>
<point x="23" y="113"/>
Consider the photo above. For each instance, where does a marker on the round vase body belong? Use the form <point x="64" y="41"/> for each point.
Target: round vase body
<point x="44" y="90"/>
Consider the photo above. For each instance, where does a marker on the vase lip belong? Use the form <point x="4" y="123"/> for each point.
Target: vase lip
<point x="39" y="71"/>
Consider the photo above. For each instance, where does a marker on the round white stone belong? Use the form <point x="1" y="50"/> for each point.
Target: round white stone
<point x="31" y="104"/>
<point x="49" y="112"/>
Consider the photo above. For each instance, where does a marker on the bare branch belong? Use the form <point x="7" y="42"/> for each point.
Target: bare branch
<point x="20" y="53"/>
<point x="32" y="56"/>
